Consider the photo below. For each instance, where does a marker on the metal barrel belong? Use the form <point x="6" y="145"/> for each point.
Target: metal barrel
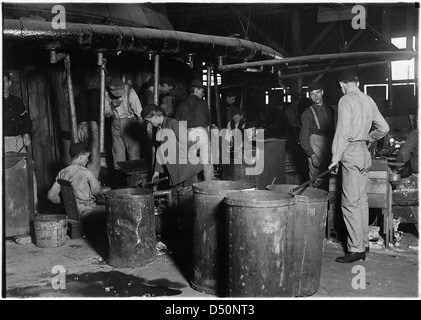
<point x="260" y="229"/>
<point x="209" y="234"/>
<point x="310" y="230"/>
<point x="185" y="213"/>
<point x="130" y="227"/>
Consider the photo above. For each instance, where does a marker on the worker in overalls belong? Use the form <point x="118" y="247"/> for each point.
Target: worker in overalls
<point x="357" y="112"/>
<point x="123" y="104"/>
<point x="316" y="134"/>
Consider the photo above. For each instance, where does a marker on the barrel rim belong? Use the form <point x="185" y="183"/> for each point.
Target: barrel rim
<point x="300" y="197"/>
<point x="116" y="193"/>
<point x="208" y="191"/>
<point x="50" y="217"/>
<point x="230" y="200"/>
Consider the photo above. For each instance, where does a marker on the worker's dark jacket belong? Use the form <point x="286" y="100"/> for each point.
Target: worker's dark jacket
<point x="16" y="120"/>
<point x="195" y="111"/>
<point x="409" y="151"/>
<point x="181" y="169"/>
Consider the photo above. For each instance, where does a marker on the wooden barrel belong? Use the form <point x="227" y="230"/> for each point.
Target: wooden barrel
<point x="260" y="229"/>
<point x="130" y="227"/>
<point x="309" y="233"/>
<point x="209" y="232"/>
<point x="50" y="230"/>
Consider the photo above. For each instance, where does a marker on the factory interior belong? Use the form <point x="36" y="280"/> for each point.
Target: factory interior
<point x="316" y="198"/>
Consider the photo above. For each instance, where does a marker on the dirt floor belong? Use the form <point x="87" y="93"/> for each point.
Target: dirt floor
<point x="389" y="272"/>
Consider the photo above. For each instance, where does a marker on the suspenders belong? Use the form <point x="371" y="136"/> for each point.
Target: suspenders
<point x="315" y="117"/>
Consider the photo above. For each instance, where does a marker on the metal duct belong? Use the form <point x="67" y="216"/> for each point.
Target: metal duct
<point x="40" y="34"/>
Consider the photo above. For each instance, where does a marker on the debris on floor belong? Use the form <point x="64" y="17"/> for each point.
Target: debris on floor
<point x="25" y="239"/>
<point x="161" y="248"/>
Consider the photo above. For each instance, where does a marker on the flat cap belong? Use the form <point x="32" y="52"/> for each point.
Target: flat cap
<point x="148" y="109"/>
<point x="314" y="86"/>
<point x="196" y="84"/>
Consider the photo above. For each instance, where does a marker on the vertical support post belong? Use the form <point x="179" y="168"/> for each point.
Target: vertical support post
<point x="156" y="79"/>
<point x="217" y="101"/>
<point x="410" y="42"/>
<point x="296" y="43"/>
<point x="208" y="84"/>
<point x="386" y="34"/>
<point x="156" y="101"/>
<point x="71" y="99"/>
<point x="101" y="64"/>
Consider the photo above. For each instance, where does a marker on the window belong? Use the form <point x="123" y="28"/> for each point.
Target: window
<point x="205" y="76"/>
<point x="403" y="70"/>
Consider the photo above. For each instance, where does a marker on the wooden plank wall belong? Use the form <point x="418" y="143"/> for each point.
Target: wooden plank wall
<point x="45" y="155"/>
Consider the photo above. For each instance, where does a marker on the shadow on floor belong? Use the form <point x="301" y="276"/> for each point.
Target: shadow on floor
<point x="95" y="230"/>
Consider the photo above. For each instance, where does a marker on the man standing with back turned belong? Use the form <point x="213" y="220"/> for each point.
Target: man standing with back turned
<point x="357" y="112"/>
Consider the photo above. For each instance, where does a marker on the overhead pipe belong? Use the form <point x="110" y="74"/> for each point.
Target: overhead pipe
<point x="311" y="73"/>
<point x="381" y="55"/>
<point x="40" y="34"/>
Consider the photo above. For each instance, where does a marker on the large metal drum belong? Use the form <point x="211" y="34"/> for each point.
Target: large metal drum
<point x="130" y="227"/>
<point x="260" y="242"/>
<point x="209" y="234"/>
<point x="310" y="230"/>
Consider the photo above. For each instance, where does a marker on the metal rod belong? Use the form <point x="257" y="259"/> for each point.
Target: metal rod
<point x="384" y="55"/>
<point x="310" y="73"/>
<point x="72" y="107"/>
<point x="101" y="63"/>
<point x="208" y="84"/>
<point x="156" y="80"/>
<point x="217" y="101"/>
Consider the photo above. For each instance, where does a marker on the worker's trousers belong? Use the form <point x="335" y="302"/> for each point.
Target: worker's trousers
<point x="125" y="135"/>
<point x="87" y="132"/>
<point x="200" y="136"/>
<point x="356" y="162"/>
<point x="321" y="146"/>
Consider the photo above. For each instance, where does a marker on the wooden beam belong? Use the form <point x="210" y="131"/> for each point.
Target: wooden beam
<point x="261" y="33"/>
<point x="350" y="43"/>
<point x="320" y="37"/>
<point x="325" y="14"/>
<point x="386" y="33"/>
<point x="297" y="86"/>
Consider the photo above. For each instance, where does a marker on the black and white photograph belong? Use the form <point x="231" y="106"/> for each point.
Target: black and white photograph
<point x="210" y="155"/>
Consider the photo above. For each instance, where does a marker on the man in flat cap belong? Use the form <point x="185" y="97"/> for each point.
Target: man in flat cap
<point x="173" y="153"/>
<point x="86" y="187"/>
<point x="316" y="134"/>
<point x="194" y="110"/>
<point x="170" y="96"/>
<point x="357" y="112"/>
<point x="123" y="104"/>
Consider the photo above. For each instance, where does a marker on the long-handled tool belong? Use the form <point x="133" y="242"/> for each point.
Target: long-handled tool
<point x="312" y="180"/>
<point x="156" y="181"/>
